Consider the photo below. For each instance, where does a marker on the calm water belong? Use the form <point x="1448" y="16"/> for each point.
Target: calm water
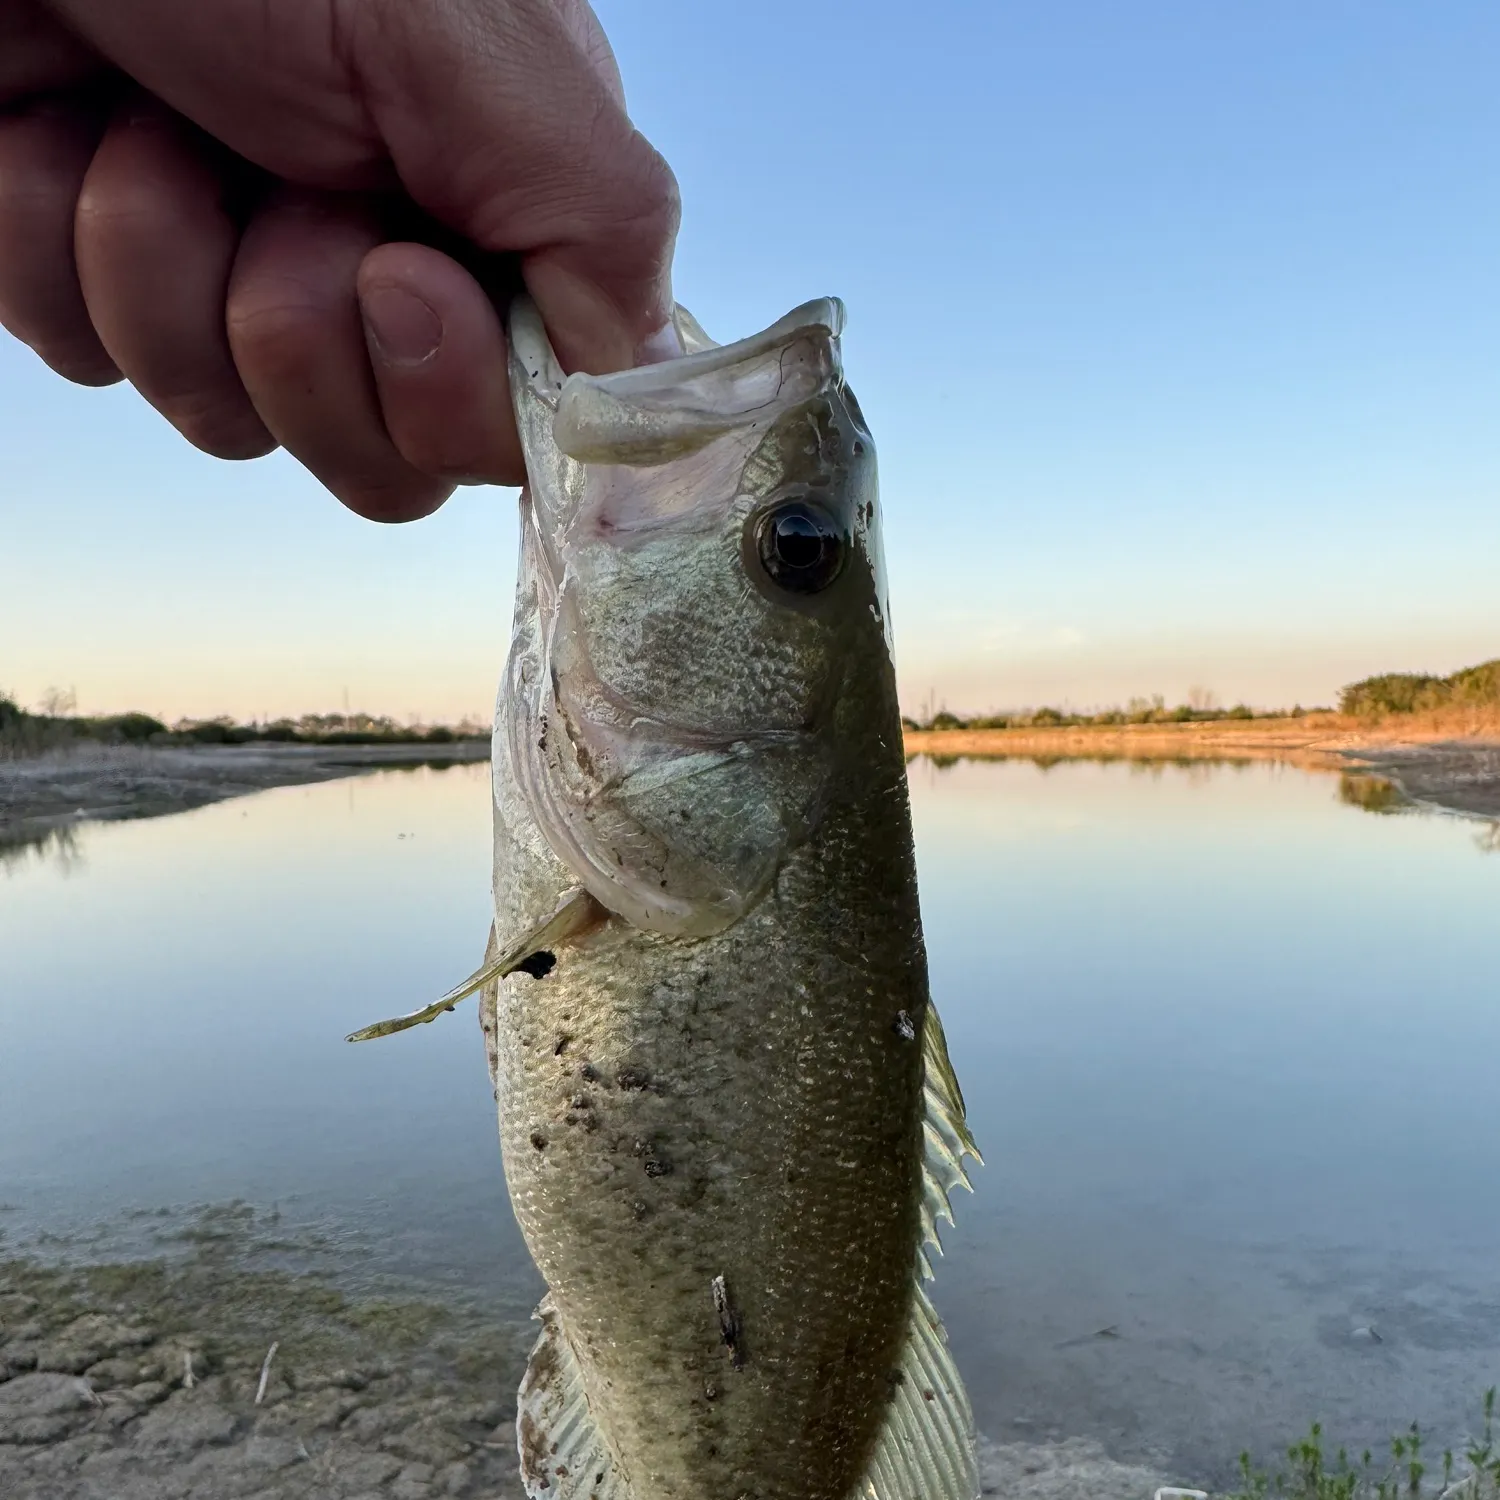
<point x="1230" y="1048"/>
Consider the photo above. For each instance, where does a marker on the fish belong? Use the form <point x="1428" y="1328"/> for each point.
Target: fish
<point x="728" y="1118"/>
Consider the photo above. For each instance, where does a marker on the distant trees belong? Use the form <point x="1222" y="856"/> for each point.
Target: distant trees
<point x="1152" y="710"/>
<point x="24" y="734"/>
<point x="1421" y="692"/>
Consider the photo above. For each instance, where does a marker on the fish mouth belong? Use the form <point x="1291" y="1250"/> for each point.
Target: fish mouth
<point x="653" y="413"/>
<point x="678" y="827"/>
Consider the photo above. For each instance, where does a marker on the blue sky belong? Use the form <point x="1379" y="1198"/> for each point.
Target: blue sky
<point x="1178" y="327"/>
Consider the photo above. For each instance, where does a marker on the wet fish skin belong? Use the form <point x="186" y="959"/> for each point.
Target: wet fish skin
<point x="711" y="1105"/>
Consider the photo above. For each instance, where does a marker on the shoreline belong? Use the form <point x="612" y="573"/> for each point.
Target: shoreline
<point x="1430" y="764"/>
<point x="45" y="795"/>
<point x="229" y="1364"/>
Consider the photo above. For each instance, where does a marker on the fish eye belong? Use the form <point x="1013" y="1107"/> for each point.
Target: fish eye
<point x="800" y="546"/>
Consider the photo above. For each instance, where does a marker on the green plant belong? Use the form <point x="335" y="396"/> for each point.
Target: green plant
<point x="1419" y="692"/>
<point x="1313" y="1476"/>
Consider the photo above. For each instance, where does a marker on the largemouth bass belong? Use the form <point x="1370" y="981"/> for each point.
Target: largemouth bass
<point x="728" y="1118"/>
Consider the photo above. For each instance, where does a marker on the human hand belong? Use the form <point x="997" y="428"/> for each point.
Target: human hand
<point x="287" y="222"/>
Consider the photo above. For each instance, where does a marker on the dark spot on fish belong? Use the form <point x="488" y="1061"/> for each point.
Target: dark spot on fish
<point x="538" y="1140"/>
<point x="682" y="813"/>
<point x="539" y="964"/>
<point x="859" y="447"/>
<point x="731" y="1328"/>
<point x="570" y="1119"/>
<point x="633" y="1078"/>
<point x="561" y="1045"/>
<point x="562" y="1469"/>
<point x="589" y="1073"/>
<point x="904" y="1027"/>
<point x="927" y="1395"/>
<point x="599" y="1477"/>
<point x="896" y="1377"/>
<point x="541" y="739"/>
<point x="655" y="1163"/>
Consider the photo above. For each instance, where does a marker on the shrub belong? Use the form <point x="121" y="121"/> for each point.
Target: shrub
<point x="133" y="728"/>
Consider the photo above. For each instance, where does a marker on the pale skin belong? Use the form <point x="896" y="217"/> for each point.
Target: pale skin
<point x="237" y="206"/>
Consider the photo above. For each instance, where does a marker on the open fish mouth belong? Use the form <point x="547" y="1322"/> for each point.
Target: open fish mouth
<point x="676" y="806"/>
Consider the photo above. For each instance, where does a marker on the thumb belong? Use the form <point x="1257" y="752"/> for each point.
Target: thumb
<point x="506" y="122"/>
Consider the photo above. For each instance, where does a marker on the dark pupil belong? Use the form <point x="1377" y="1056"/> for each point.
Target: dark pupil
<point x="800" y="548"/>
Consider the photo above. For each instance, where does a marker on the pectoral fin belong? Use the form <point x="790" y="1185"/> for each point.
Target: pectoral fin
<point x="574" y="913"/>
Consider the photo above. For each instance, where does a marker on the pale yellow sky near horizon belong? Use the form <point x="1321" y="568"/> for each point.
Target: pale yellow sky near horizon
<point x="414" y="674"/>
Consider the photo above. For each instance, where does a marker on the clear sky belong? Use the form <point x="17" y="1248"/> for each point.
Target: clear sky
<point x="1178" y="327"/>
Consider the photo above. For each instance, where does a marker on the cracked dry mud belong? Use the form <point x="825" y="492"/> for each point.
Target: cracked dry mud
<point x="401" y="1400"/>
<point x="366" y="1399"/>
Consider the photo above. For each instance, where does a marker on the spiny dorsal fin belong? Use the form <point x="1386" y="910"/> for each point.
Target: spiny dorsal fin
<point x="946" y="1138"/>
<point x="576" y="911"/>
<point x="563" y="1454"/>
<point x="926" y="1450"/>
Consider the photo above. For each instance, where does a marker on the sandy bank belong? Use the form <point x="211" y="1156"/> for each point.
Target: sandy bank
<point x="101" y="781"/>
<point x="1443" y="762"/>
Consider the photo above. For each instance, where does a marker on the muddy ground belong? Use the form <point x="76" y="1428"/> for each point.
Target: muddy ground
<point x="138" y="1380"/>
<point x="1455" y="777"/>
<point x="47" y="794"/>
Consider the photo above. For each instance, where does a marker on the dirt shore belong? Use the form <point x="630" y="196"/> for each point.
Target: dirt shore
<point x="42" y="795"/>
<point x="216" y="1373"/>
<point x="1443" y="763"/>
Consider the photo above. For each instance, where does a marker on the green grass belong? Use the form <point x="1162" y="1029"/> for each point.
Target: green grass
<point x="1405" y="1473"/>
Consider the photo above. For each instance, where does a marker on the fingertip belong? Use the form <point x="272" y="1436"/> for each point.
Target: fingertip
<point x="390" y="507"/>
<point x="88" y="366"/>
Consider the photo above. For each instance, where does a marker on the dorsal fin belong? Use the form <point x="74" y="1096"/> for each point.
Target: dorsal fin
<point x="926" y="1448"/>
<point x="946" y="1138"/>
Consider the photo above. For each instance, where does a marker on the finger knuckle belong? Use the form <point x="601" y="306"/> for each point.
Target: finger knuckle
<point x="278" y="328"/>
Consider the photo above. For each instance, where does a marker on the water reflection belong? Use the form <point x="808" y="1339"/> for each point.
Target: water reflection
<point x="58" y="845"/>
<point x="1227" y="1045"/>
<point x="1375" y="794"/>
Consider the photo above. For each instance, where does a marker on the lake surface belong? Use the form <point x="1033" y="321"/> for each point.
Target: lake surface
<point x="1230" y="1046"/>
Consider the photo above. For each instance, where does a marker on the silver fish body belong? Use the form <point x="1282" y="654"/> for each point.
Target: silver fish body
<point x="727" y="1118"/>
